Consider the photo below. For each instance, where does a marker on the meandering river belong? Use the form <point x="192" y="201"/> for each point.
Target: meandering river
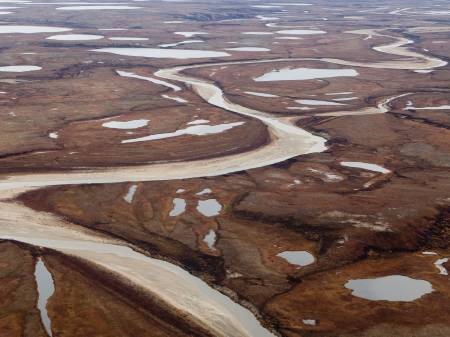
<point x="201" y="303"/>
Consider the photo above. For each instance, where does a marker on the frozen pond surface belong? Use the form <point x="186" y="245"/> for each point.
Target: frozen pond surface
<point x="181" y="54"/>
<point x="122" y="38"/>
<point x="287" y="38"/>
<point x="266" y="6"/>
<point x="179" y="206"/>
<point x="258" y="33"/>
<point x="390" y="288"/>
<point x="248" y="49"/>
<point x="8" y="29"/>
<point x="210" y="239"/>
<point x="19" y="69"/>
<point x="130" y="194"/>
<point x="299" y="258"/>
<point x="196" y="130"/>
<point x="301" y="32"/>
<point x="209" y="208"/>
<point x="168" y="45"/>
<point x="260" y="94"/>
<point x="316" y="102"/>
<point x="190" y="34"/>
<point x="113" y="29"/>
<point x="365" y="166"/>
<point x="75" y="37"/>
<point x="46" y="288"/>
<point x="344" y="99"/>
<point x="149" y="79"/>
<point x="134" y="124"/>
<point x="90" y="8"/>
<point x="299" y="74"/>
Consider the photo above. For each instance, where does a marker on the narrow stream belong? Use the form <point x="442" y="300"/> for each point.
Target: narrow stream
<point x="287" y="140"/>
<point x="176" y="287"/>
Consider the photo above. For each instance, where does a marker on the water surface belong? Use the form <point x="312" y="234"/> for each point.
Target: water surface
<point x="75" y="37"/>
<point x="134" y="124"/>
<point x="209" y="208"/>
<point x="365" y="166"/>
<point x="297" y="257"/>
<point x="300" y="74"/>
<point x="19" y="69"/>
<point x="181" y="54"/>
<point x="390" y="288"/>
<point x="12" y="29"/>
<point x="46" y="288"/>
<point x="179" y="206"/>
<point x="195" y="130"/>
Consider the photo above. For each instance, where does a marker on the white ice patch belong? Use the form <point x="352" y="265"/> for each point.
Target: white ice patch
<point x="196" y="130"/>
<point x="260" y="94"/>
<point x="250" y="49"/>
<point x="134" y="124"/>
<point x="439" y="265"/>
<point x="8" y="29"/>
<point x="198" y="121"/>
<point x="287" y="38"/>
<point x="75" y="37"/>
<point x="168" y="45"/>
<point x="204" y="191"/>
<point x="316" y="102"/>
<point x="130" y="194"/>
<point x="91" y="8"/>
<point x="300" y="74"/>
<point x="258" y="33"/>
<point x="127" y="38"/>
<point x="190" y="34"/>
<point x="175" y="98"/>
<point x="441" y="107"/>
<point x="180" y="54"/>
<point x="365" y="166"/>
<point x="19" y="69"/>
<point x="300" y="32"/>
